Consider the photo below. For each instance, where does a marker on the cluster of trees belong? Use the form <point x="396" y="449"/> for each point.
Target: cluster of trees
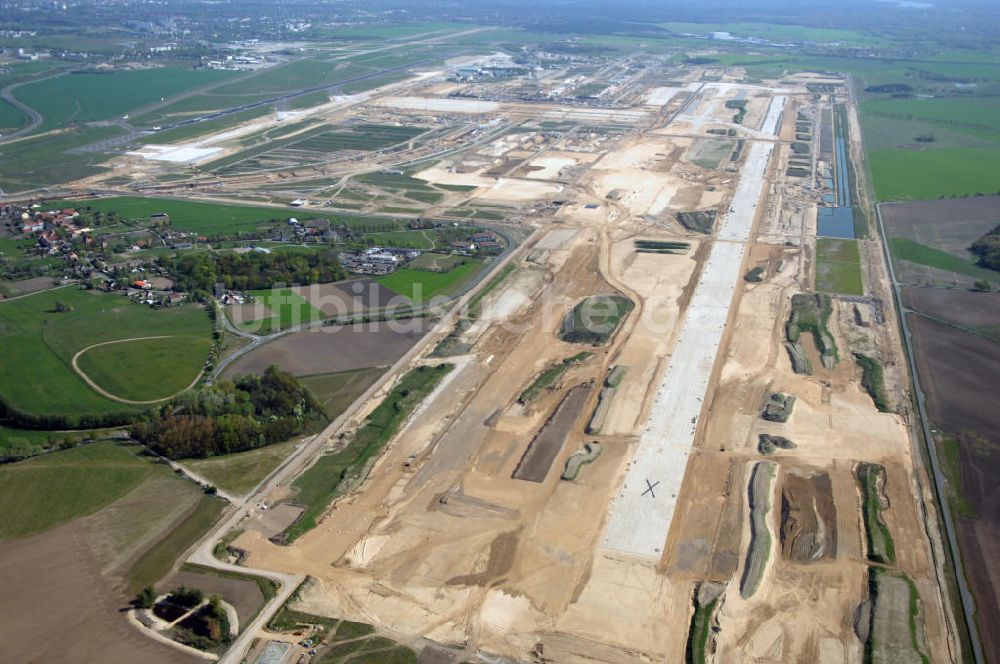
<point x="252" y="270"/>
<point x="24" y="267"/>
<point x="987" y="248"/>
<point x="230" y="416"/>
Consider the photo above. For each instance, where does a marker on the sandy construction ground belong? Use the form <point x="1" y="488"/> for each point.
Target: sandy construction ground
<point x="662" y="281"/>
<point x="800" y="612"/>
<point x="440" y="174"/>
<point x="435" y="538"/>
<point x="551" y="166"/>
<point x="507" y="189"/>
<point x="443" y="543"/>
<point x="439" y="105"/>
<point x="661" y="96"/>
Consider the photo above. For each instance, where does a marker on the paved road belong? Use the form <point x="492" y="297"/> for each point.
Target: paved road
<point x="288" y="584"/>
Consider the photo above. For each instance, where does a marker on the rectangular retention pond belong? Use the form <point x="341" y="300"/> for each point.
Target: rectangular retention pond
<point x="835" y="222"/>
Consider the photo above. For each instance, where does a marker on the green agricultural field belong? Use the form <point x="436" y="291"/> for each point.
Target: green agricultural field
<point x="86" y="97"/>
<point x="979" y="116"/>
<point x="39" y="493"/>
<point x="887" y="133"/>
<point x="122" y="369"/>
<point x="295" y="75"/>
<point x="775" y="32"/>
<point x="930" y="174"/>
<point x="406" y="239"/>
<point x="240" y="472"/>
<point x="47" y="160"/>
<point x="36" y="376"/>
<point x="905" y="249"/>
<point x="196" y="216"/>
<point x="336" y="391"/>
<point x="982" y="72"/>
<point x="23" y="443"/>
<point x="287" y="308"/>
<point x="421" y="285"/>
<point x="11" y="117"/>
<point x="381" y="32"/>
<point x="838" y="266"/>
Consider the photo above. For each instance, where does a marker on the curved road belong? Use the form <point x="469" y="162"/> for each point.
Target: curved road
<point x="35" y="118"/>
<point x="104" y="393"/>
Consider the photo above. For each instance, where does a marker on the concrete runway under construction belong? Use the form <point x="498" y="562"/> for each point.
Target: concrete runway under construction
<point x="643" y="509"/>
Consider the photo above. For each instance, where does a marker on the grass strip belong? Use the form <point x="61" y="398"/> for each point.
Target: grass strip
<point x="873" y="380"/>
<point x="701" y="621"/>
<point x="951" y="461"/>
<point x="549" y="376"/>
<point x="880" y="545"/>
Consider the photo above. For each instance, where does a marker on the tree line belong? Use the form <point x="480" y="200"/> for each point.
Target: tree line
<point x="13" y="417"/>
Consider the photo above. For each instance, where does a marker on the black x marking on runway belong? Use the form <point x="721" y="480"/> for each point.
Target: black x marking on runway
<point x="649" y="488"/>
